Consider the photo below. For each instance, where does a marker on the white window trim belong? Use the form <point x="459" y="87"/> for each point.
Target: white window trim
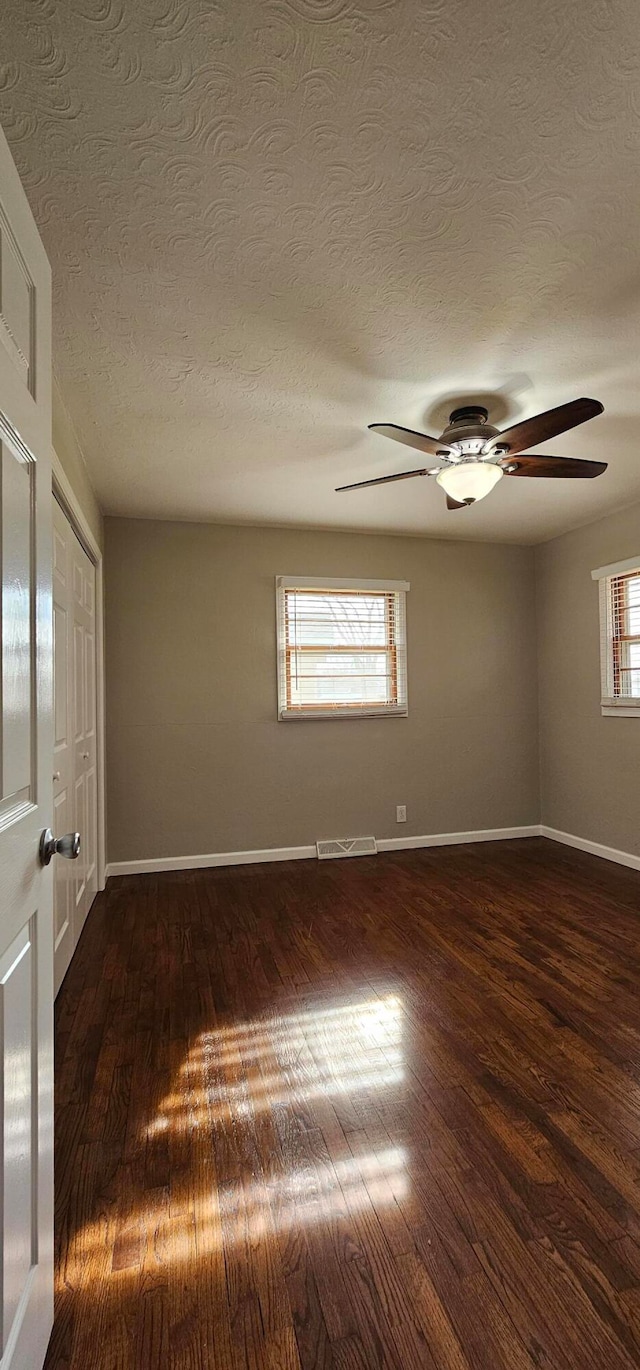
<point x="398" y="587"/>
<point x="339" y="583"/>
<point x="610" y="706"/>
<point x="616" y="568"/>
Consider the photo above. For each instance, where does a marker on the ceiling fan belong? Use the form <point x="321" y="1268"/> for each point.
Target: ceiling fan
<point x="474" y="456"/>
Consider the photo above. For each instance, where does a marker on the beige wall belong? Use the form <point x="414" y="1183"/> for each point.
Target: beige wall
<point x="197" y="762"/>
<point x="589" y="765"/>
<point x="69" y="452"/>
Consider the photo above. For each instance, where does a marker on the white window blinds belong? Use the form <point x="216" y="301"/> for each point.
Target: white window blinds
<point x="341" y="648"/>
<point x="620" y="637"/>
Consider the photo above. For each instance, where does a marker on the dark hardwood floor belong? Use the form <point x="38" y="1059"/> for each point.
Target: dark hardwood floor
<point x="378" y="1112"/>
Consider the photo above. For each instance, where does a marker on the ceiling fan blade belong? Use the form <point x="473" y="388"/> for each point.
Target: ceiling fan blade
<point x="406" y="435"/>
<point x="455" y="504"/>
<point x="542" y="427"/>
<point x="528" y="464"/>
<point x="381" y="480"/>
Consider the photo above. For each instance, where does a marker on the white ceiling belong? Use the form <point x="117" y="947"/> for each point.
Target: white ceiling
<point x="272" y="222"/>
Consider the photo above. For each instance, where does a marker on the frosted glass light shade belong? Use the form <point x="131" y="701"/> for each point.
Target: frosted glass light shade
<point x="471" y="480"/>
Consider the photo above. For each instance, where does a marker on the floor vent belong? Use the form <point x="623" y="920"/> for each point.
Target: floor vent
<point x="346" y="846"/>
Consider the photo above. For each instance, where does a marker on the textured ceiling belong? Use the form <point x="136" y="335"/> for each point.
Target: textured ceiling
<point x="272" y="222"/>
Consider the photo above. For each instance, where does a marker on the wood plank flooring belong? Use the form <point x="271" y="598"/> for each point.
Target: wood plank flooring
<point x="370" y="1113"/>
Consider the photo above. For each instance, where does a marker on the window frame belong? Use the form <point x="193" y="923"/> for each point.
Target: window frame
<point x="614" y="705"/>
<point x="314" y="584"/>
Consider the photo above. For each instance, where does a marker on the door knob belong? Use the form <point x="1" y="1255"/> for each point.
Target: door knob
<point x="68" y="846"/>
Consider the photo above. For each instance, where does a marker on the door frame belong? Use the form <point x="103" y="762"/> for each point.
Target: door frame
<point x="64" y="493"/>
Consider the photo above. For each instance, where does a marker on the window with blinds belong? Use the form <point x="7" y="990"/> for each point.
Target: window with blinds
<point x="341" y="648"/>
<point x="620" y="637"/>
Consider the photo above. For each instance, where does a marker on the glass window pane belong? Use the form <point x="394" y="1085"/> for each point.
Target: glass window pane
<point x="336" y="619"/>
<point x="334" y="678"/>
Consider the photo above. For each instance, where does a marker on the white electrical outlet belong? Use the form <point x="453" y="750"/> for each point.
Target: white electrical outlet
<point x="401" y="813"/>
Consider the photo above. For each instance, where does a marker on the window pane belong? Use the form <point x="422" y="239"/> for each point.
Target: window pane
<point x="336" y="619"/>
<point x="626" y="598"/>
<point x="631" y="618"/>
<point x="335" y="678"/>
<point x="630" y="672"/>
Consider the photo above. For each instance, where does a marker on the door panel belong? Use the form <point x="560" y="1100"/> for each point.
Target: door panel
<point x="65" y="875"/>
<point x="19" y="793"/>
<point x="18" y="655"/>
<point x="85" y="725"/>
<point x="60" y="668"/>
<point x="16" y="304"/>
<point x="26" y="931"/>
<point x="90" y="685"/>
<point x="62" y="751"/>
<point x="74" y="775"/>
<point x="78" y="680"/>
<point x="91" y="829"/>
<point x="17" y="1015"/>
<point x="26" y="991"/>
<point x="80" y="814"/>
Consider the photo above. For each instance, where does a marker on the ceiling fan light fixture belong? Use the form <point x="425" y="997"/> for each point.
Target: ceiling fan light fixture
<point x="470" y="481"/>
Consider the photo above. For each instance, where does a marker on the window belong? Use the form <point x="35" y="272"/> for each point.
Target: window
<point x="620" y="636"/>
<point x="341" y="648"/>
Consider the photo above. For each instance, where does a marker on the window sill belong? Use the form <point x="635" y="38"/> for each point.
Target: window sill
<point x="621" y="710"/>
<point x="289" y="716"/>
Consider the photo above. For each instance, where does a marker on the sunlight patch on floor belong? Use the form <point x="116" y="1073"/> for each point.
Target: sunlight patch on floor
<point x="289" y="1059"/>
<point x="233" y="1078"/>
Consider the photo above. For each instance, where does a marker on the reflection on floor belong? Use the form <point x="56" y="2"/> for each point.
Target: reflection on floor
<point x="346" y="1050"/>
<point x="375" y="1113"/>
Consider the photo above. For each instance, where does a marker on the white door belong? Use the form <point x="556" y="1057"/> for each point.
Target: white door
<point x="26" y="931"/>
<point x="75" y="735"/>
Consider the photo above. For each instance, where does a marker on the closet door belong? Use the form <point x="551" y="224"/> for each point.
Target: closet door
<point x="83" y="582"/>
<point x="74" y="771"/>
<point x="63" y="807"/>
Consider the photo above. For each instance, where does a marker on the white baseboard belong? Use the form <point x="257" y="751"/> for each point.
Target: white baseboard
<point x="247" y="858"/>
<point x="623" y="858"/>
<point x="455" y="839"/>
<point x="222" y="858"/>
<point x="385" y="844"/>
